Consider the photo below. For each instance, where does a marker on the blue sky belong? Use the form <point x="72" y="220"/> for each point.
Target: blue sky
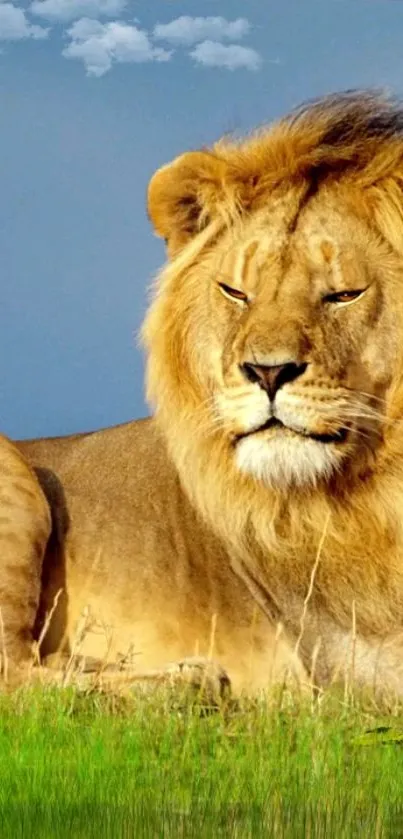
<point x="95" y="95"/>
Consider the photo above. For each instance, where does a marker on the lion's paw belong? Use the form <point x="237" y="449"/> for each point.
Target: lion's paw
<point x="201" y="674"/>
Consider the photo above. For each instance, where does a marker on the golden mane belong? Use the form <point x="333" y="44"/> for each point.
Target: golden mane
<point x="354" y="136"/>
<point x="353" y="142"/>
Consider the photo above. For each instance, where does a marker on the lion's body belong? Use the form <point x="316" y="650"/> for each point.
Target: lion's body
<point x="275" y="365"/>
<point x="139" y="572"/>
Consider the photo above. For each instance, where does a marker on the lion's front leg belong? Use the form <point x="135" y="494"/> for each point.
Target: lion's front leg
<point x="196" y="676"/>
<point x="25" y="524"/>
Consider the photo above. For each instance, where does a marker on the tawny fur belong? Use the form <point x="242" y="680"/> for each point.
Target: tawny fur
<point x="157" y="513"/>
<point x="25" y="526"/>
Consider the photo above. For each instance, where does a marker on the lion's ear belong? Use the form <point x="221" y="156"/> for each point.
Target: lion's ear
<point x="185" y="195"/>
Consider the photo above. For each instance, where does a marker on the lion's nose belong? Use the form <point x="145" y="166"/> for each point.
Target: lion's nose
<point x="272" y="378"/>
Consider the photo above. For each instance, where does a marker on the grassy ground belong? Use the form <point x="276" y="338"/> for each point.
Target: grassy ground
<point x="92" y="766"/>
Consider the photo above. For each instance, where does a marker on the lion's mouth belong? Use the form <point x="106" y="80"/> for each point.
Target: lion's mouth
<point x="337" y="437"/>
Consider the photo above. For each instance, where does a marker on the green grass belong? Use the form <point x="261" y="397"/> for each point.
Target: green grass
<point x="92" y="766"/>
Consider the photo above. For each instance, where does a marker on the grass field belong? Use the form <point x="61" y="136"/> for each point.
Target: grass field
<point x="93" y="766"/>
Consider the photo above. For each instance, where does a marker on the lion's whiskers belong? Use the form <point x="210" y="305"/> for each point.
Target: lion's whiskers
<point x="213" y="419"/>
<point x="367" y="395"/>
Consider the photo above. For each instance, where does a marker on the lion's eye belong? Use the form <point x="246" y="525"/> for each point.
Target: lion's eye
<point x="234" y="293"/>
<point x="343" y="296"/>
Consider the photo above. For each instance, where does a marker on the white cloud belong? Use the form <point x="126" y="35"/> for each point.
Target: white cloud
<point x="232" y="56"/>
<point x="99" y="45"/>
<point x="190" y="30"/>
<point x="66" y="10"/>
<point x="14" y="25"/>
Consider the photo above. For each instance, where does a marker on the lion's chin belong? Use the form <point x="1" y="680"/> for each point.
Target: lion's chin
<point x="287" y="459"/>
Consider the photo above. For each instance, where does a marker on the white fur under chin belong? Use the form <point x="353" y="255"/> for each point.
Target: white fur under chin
<point x="286" y="461"/>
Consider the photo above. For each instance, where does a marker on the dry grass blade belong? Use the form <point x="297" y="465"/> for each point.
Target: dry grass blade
<point x="311" y="585"/>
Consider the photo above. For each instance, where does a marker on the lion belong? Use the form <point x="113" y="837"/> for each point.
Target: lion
<point x="257" y="517"/>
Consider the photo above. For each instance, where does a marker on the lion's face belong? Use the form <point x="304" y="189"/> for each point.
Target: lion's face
<point x="276" y="327"/>
<point x="302" y="345"/>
